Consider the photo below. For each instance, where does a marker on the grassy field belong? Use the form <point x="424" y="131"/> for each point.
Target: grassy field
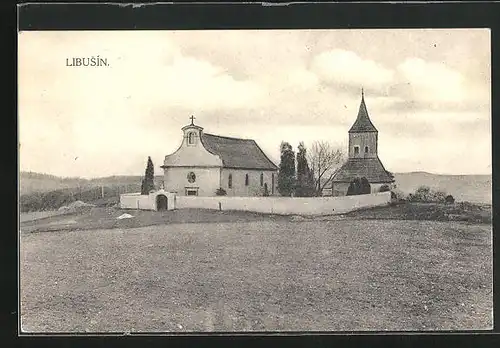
<point x="37" y="215"/>
<point x="106" y="218"/>
<point x="257" y="274"/>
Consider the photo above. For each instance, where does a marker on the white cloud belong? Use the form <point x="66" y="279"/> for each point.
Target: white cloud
<point x="301" y="80"/>
<point x="346" y="67"/>
<point x="432" y="82"/>
<point x="253" y="84"/>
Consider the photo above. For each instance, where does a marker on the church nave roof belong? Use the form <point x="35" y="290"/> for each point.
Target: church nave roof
<point x="237" y="153"/>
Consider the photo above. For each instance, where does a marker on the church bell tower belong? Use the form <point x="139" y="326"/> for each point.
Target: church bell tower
<point x="192" y="134"/>
<point x="363" y="136"/>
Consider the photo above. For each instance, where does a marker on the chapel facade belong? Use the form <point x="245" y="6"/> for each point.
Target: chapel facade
<point x="363" y="160"/>
<point x="206" y="162"/>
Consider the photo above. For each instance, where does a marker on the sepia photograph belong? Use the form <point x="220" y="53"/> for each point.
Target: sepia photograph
<point x="197" y="181"/>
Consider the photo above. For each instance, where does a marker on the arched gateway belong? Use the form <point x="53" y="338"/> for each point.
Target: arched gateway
<point x="161" y="202"/>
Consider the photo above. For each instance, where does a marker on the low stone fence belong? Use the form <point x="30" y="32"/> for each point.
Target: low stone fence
<point x="147" y="202"/>
<point x="286" y="205"/>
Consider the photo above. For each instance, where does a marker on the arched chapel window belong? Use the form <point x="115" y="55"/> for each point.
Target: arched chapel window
<point x="246" y="179"/>
<point x="230" y="181"/>
<point x="261" y="179"/>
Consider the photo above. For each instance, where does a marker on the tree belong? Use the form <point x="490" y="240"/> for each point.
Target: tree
<point x="391" y="175"/>
<point x="365" y="186"/>
<point x="305" y="177"/>
<point x="148" y="181"/>
<point x="286" y="174"/>
<point x="324" y="160"/>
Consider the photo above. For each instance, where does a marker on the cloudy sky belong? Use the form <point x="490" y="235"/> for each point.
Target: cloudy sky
<point x="427" y="92"/>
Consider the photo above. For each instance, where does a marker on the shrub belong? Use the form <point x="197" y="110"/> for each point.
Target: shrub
<point x="437" y="196"/>
<point x="220" y="192"/>
<point x="422" y="194"/>
<point x="384" y="188"/>
<point x="398" y="195"/>
<point x="425" y="194"/>
<point x="354" y="187"/>
<point x="266" y="191"/>
<point x="449" y="199"/>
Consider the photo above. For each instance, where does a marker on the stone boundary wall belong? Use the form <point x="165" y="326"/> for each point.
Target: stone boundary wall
<point x="286" y="205"/>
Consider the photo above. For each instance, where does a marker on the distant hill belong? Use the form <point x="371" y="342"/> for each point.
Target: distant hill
<point x="472" y="188"/>
<point x="30" y="182"/>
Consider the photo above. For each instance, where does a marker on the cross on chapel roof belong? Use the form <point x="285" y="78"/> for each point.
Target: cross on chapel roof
<point x="192" y="119"/>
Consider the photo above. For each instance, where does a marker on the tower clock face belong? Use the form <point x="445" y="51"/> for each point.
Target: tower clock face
<point x="191" y="177"/>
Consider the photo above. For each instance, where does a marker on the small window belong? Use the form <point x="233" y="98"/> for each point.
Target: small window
<point x="191" y="138"/>
<point x="366" y="149"/>
<point x="191" y="192"/>
<point x="230" y="181"/>
<point x="246" y="179"/>
<point x="356" y="150"/>
<point x="261" y="179"/>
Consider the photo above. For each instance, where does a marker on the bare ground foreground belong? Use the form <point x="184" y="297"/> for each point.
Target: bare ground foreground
<point x="249" y="272"/>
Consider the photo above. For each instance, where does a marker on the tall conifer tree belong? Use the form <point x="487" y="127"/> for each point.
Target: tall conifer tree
<point x="305" y="177"/>
<point x="286" y="175"/>
<point x="148" y="181"/>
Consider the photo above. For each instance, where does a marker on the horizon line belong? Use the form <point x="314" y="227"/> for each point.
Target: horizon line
<point x="139" y="175"/>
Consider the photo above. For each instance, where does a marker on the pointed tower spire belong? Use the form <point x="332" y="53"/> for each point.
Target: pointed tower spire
<point x="363" y="122"/>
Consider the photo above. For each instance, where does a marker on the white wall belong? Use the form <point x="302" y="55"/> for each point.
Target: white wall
<point x="376" y="187"/>
<point x="287" y="205"/>
<point x="135" y="201"/>
<point x="253" y="188"/>
<point x="192" y="158"/>
<point x="145" y="202"/>
<point x="207" y="180"/>
<point x="192" y="154"/>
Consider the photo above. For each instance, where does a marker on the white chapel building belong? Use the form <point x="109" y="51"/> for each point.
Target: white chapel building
<point x="205" y="162"/>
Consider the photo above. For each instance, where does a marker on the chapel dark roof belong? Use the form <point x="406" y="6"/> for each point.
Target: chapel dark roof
<point x="237" y="153"/>
<point x="370" y="168"/>
<point x="363" y="122"/>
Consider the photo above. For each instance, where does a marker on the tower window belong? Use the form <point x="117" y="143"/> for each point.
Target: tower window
<point x="261" y="179"/>
<point x="246" y="179"/>
<point x="191" y="138"/>
<point x="230" y="181"/>
<point x="366" y="149"/>
<point x="356" y="150"/>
